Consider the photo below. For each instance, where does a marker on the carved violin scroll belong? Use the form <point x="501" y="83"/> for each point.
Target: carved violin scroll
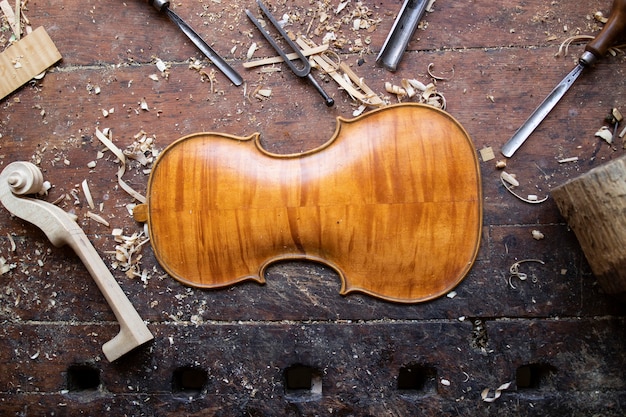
<point x="392" y="202"/>
<point x="22" y="178"/>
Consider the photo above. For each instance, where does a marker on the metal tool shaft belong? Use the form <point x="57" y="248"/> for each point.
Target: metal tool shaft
<point x="594" y="50"/>
<point x="304" y="71"/>
<point x="401" y="33"/>
<point x="205" y="48"/>
<point x="520" y="136"/>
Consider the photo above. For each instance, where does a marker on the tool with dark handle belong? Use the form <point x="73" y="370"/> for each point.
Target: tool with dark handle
<point x="164" y="6"/>
<point x="305" y="70"/>
<point x="594" y="50"/>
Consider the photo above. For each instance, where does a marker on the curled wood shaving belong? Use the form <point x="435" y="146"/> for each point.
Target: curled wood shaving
<point x="509" y="182"/>
<point x="564" y="47"/>
<point x="424" y="93"/>
<point x="515" y="273"/>
<point x="435" y="77"/>
<point x="128" y="253"/>
<point x="122" y="169"/>
<point x="498" y="392"/>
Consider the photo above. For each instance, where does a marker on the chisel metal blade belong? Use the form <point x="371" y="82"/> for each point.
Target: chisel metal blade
<point x="205" y="48"/>
<point x="218" y="61"/>
<point x="520" y="136"/>
<point x="594" y="50"/>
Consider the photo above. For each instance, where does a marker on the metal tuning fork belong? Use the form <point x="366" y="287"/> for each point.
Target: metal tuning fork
<point x="303" y="71"/>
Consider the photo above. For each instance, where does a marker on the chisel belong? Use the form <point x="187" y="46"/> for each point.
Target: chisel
<point x="594" y="50"/>
<point x="164" y="6"/>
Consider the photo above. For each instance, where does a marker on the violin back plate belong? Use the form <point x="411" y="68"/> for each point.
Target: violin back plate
<point x="392" y="202"/>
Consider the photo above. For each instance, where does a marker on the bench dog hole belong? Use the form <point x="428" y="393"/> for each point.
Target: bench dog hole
<point x="189" y="381"/>
<point x="534" y="375"/>
<point x="83" y="378"/>
<point x="417" y="379"/>
<point x="303" y="383"/>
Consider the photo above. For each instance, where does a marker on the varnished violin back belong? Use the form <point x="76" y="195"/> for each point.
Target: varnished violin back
<point x="392" y="203"/>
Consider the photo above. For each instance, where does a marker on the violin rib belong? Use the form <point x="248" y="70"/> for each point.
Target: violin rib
<point x="392" y="202"/>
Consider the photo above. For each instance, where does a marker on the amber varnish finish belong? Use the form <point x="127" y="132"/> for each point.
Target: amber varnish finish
<point x="392" y="202"/>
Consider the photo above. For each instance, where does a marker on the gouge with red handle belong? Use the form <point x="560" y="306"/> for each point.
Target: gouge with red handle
<point x="594" y="50"/>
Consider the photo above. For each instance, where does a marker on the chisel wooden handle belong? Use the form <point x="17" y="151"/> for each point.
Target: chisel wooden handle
<point x="23" y="178"/>
<point x="613" y="28"/>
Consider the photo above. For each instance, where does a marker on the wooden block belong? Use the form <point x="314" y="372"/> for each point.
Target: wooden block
<point x="25" y="59"/>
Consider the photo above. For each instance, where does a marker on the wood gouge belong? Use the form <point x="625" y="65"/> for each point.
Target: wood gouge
<point x="401" y="33"/>
<point x="594" y="50"/>
<point x="227" y="70"/>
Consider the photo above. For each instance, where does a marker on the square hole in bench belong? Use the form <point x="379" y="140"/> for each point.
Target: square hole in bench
<point x="417" y="379"/>
<point x="303" y="383"/>
<point x="83" y="378"/>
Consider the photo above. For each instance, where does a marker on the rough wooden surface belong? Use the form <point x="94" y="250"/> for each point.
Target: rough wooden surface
<point x="372" y="357"/>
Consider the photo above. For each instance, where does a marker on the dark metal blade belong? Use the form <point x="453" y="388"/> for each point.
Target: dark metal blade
<point x="205" y="48"/>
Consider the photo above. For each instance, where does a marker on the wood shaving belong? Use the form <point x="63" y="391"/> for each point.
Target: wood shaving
<point x="162" y="67"/>
<point x="537" y="235"/>
<point x="439" y="78"/>
<point x="605" y="134"/>
<point x="97" y="218"/>
<point x="12" y="18"/>
<point x="5" y="266"/>
<point x="509" y="178"/>
<point x="251" y="50"/>
<point x="515" y="273"/>
<point x="122" y="169"/>
<point x="279" y="59"/>
<point x="88" y="196"/>
<point x="262" y="93"/>
<point x="128" y="253"/>
<point x="509" y="181"/>
<point x="330" y="64"/>
<point x="12" y="242"/>
<point x="408" y="88"/>
<point x="487" y="154"/>
<point x="599" y="16"/>
<point x="498" y="392"/>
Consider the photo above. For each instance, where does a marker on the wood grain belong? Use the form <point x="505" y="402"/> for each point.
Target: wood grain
<point x="593" y="205"/>
<point x="25" y="59"/>
<point x="392" y="202"/>
<point x="246" y="336"/>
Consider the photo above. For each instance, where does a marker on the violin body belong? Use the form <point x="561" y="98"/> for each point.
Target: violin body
<point x="392" y="202"/>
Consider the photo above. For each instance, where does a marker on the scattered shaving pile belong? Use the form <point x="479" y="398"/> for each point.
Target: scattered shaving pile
<point x="141" y="153"/>
<point x="414" y="89"/>
<point x="128" y="254"/>
<point x="328" y="22"/>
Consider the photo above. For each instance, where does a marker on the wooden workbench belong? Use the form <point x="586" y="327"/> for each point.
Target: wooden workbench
<point x="253" y="350"/>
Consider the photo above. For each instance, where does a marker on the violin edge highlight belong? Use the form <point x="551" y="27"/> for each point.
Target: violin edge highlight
<point x="143" y="215"/>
